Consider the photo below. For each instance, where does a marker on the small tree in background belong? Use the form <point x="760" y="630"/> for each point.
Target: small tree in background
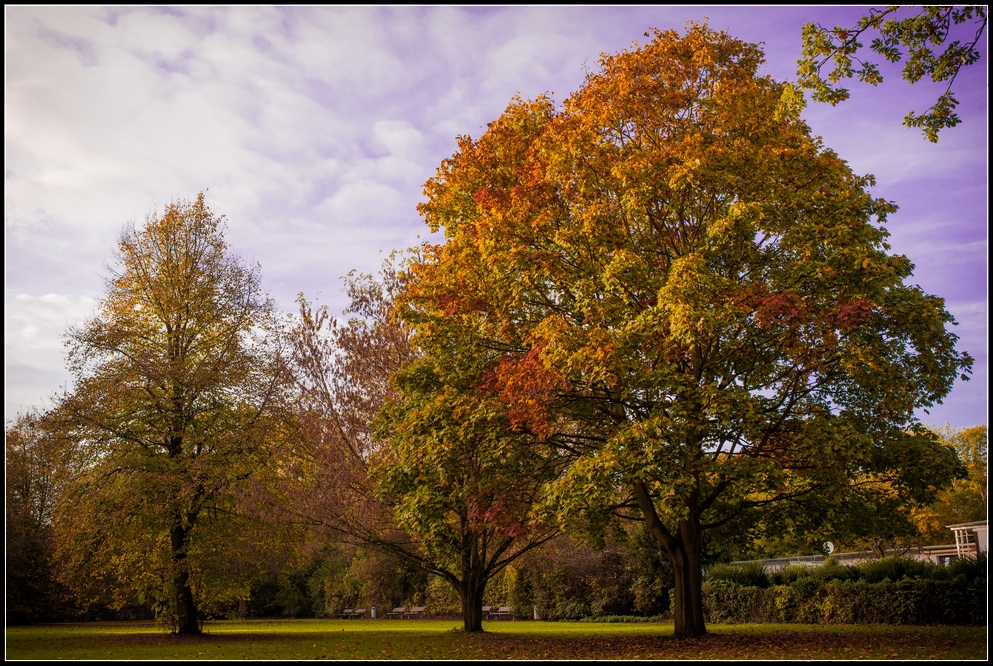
<point x="459" y="478"/>
<point x="35" y="463"/>
<point x="442" y="482"/>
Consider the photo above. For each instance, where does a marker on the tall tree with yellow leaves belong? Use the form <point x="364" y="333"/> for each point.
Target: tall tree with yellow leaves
<point x="177" y="399"/>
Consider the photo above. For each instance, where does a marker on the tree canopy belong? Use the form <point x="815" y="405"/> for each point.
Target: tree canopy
<point x="176" y="401"/>
<point x="920" y="36"/>
<point x="691" y="297"/>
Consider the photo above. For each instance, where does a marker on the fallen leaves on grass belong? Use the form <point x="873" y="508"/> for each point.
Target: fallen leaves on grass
<point x="539" y="641"/>
<point x="732" y="645"/>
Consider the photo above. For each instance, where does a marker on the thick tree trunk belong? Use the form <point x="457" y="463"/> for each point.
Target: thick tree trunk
<point x="472" y="608"/>
<point x="473" y="584"/>
<point x="684" y="547"/>
<point x="187" y="621"/>
<point x="471" y="593"/>
<point x="686" y="556"/>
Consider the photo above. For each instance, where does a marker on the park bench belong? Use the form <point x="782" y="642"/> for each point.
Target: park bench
<point x="352" y="614"/>
<point x="347" y="613"/>
<point x="503" y="611"/>
<point x="486" y="612"/>
<point x="396" y="613"/>
<point x="416" y="611"/>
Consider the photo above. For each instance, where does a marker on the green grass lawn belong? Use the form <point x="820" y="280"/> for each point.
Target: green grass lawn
<point x="439" y="639"/>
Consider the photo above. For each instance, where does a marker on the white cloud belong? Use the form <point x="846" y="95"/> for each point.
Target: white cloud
<point x="398" y="137"/>
<point x="34" y="353"/>
<point x="315" y="128"/>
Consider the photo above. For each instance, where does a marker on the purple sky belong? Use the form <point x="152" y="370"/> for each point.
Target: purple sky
<point x="314" y="130"/>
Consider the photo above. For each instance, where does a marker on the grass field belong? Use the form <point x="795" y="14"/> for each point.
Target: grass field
<point x="438" y="639"/>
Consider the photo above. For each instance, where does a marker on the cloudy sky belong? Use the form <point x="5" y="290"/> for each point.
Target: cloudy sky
<point x="313" y="130"/>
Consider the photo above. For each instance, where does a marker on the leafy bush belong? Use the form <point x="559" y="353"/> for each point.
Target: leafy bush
<point x="728" y="602"/>
<point x="798" y="601"/>
<point x="790" y="573"/>
<point x="822" y="595"/>
<point x="565" y="609"/>
<point x="513" y="587"/>
<point x="570" y="582"/>
<point x="832" y="569"/>
<point x="858" y="602"/>
<point x="746" y="574"/>
<point x="897" y="568"/>
<point x="651" y="595"/>
<point x="440" y="598"/>
<point x="331" y="588"/>
<point x="973" y="568"/>
<point x="652" y="575"/>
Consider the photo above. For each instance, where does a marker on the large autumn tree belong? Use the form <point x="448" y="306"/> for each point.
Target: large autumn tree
<point x="177" y="400"/>
<point x="692" y="298"/>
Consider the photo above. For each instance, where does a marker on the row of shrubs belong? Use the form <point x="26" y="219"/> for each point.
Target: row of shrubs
<point x="888" y="591"/>
<point x="753" y="574"/>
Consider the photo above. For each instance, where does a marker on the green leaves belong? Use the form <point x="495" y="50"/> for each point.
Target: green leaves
<point x="919" y="37"/>
<point x="454" y="467"/>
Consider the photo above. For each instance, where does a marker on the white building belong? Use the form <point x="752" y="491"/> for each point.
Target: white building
<point x="970" y="538"/>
